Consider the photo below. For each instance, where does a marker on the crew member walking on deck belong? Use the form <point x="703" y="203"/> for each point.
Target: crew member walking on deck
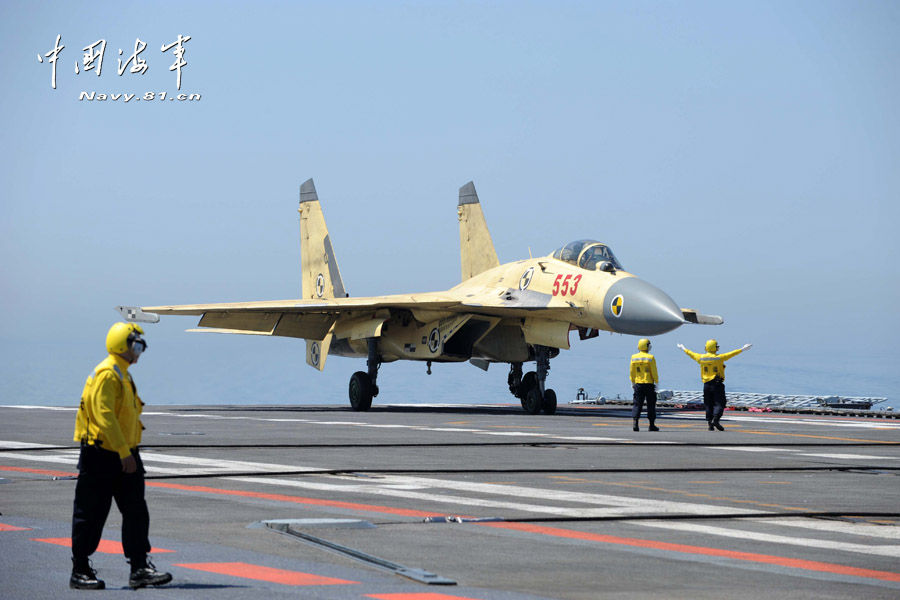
<point x="643" y="380"/>
<point x="712" y="371"/>
<point x="108" y="425"/>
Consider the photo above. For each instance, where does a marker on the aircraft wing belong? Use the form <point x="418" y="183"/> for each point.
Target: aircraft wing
<point x="312" y="319"/>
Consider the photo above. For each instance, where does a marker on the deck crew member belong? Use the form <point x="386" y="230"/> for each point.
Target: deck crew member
<point x="712" y="371"/>
<point x="643" y="381"/>
<point x="109" y="428"/>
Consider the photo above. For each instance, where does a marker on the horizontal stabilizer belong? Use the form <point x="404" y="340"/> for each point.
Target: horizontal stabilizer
<point x="692" y="316"/>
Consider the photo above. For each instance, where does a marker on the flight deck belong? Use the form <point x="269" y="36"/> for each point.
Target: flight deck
<point x="472" y="502"/>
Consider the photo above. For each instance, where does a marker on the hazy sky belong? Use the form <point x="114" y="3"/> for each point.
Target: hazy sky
<point x="744" y="157"/>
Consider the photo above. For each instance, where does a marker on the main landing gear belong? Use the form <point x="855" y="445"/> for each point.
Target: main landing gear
<point x="530" y="388"/>
<point x="362" y="385"/>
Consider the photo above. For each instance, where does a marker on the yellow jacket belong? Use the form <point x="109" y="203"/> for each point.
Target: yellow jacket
<point x="110" y="410"/>
<point x="643" y="368"/>
<point x="712" y="366"/>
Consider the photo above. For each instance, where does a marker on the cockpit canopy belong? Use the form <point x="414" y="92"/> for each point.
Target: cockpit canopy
<point x="587" y="254"/>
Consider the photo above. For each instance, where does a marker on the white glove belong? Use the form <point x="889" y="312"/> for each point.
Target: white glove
<point x="747" y="347"/>
<point x="682" y="346"/>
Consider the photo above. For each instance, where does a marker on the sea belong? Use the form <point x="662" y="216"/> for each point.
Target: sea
<point x="211" y="369"/>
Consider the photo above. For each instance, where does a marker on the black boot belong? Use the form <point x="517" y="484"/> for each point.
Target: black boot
<point x="636" y="428"/>
<point x="144" y="573"/>
<point x="710" y="425"/>
<point x="84" y="577"/>
<point x="653" y="427"/>
<point x="717" y="425"/>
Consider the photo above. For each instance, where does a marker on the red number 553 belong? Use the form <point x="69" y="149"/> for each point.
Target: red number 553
<point x="561" y="285"/>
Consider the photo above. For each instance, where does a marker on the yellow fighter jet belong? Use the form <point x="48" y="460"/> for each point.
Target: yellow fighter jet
<point x="512" y="313"/>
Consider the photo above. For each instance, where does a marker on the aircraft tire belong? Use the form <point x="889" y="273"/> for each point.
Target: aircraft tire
<point x="549" y="406"/>
<point x="360" y="391"/>
<point x="533" y="401"/>
<point x="529" y="380"/>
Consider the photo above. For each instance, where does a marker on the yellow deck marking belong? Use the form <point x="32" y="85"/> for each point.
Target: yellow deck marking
<point x="822" y="437"/>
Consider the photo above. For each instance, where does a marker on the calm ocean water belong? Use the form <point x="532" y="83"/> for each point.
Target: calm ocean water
<point x="214" y="369"/>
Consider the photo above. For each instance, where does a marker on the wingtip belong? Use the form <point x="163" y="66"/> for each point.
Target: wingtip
<point x="467" y="194"/>
<point x="308" y="191"/>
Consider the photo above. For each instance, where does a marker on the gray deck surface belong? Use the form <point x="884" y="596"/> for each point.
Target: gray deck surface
<point x="783" y="506"/>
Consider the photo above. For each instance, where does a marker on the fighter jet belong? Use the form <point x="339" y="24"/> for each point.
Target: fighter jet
<point x="514" y="313"/>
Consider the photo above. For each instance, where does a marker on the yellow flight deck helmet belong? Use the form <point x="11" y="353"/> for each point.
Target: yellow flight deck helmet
<point x="644" y="345"/>
<point x="712" y="346"/>
<point x="121" y="336"/>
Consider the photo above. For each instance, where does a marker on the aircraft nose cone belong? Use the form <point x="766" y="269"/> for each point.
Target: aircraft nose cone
<point x="634" y="306"/>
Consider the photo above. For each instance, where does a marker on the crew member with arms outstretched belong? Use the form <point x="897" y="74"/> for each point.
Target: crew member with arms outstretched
<point x="712" y="371"/>
<point x="108" y="425"/>
<point x="643" y="381"/>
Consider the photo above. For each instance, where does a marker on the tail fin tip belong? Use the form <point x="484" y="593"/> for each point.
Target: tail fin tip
<point x="468" y="195"/>
<point x="308" y="191"/>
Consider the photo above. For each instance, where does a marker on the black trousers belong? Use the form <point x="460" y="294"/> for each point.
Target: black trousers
<point x="714" y="399"/>
<point x="642" y="392"/>
<point x="100" y="480"/>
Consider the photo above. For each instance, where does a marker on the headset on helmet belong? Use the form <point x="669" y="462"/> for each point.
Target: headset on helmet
<point x="712" y="346"/>
<point x="123" y="337"/>
<point x="644" y="345"/>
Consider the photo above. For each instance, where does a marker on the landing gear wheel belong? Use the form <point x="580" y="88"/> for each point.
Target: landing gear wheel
<point x="361" y="391"/>
<point x="532" y="401"/>
<point x="528" y="381"/>
<point x="549" y="402"/>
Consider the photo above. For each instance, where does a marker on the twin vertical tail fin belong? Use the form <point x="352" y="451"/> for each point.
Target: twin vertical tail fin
<point x="476" y="248"/>
<point x="320" y="276"/>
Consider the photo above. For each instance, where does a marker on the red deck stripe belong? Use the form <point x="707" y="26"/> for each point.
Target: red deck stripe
<point x="5" y="527"/>
<point x="294" y="499"/>
<point x="38" y="471"/>
<point x="105" y="546"/>
<point x="796" y="563"/>
<point x="261" y="573"/>
<point x="418" y="596"/>
<point x="567" y="533"/>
